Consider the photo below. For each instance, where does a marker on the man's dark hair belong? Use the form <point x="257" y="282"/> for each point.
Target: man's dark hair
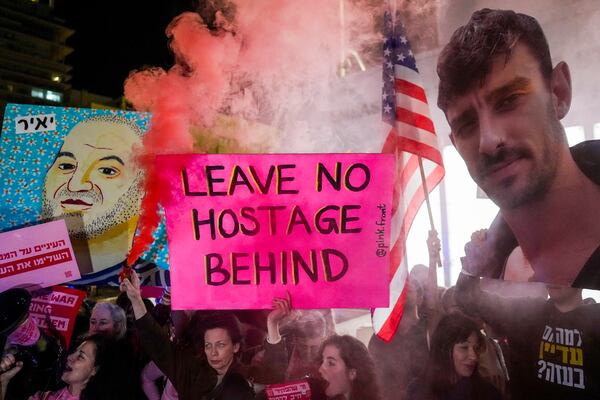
<point x="467" y="58"/>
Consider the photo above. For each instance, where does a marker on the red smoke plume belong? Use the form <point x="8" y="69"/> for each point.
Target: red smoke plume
<point x="266" y="64"/>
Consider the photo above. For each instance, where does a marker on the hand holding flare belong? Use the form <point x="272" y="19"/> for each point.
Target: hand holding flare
<point x="131" y="286"/>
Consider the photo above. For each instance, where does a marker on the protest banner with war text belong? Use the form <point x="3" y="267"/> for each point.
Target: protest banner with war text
<point x="55" y="309"/>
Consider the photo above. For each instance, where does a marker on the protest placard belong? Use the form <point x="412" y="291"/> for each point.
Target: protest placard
<point x="55" y="309"/>
<point x="245" y="228"/>
<point x="289" y="391"/>
<point x="43" y="151"/>
<point x="37" y="256"/>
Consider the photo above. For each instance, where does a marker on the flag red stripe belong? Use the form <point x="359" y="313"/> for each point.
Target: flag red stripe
<point x="395" y="142"/>
<point x="419" y="148"/>
<point x="396" y="255"/>
<point x="399" y="248"/>
<point x="388" y="329"/>
<point x="412" y="133"/>
<point x="402" y="180"/>
<point x="415" y="119"/>
<point x="391" y="140"/>
<point x="409" y="169"/>
<point x="432" y="180"/>
<point x="390" y="326"/>
<point x="410" y="89"/>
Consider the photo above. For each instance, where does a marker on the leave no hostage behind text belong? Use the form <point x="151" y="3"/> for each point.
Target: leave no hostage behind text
<point x="252" y="267"/>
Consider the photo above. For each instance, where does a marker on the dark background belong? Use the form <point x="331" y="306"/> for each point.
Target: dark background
<point x="113" y="38"/>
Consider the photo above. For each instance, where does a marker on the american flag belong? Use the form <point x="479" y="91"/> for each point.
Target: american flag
<point x="410" y="135"/>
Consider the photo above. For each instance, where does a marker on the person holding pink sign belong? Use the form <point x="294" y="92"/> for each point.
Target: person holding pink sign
<point x="290" y="356"/>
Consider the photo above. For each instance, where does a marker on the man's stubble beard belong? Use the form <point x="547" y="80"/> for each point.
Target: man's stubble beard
<point x="125" y="209"/>
<point x="539" y="181"/>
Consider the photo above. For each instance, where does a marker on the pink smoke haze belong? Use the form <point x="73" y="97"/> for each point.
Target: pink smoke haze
<point x="287" y="43"/>
<point x="271" y="64"/>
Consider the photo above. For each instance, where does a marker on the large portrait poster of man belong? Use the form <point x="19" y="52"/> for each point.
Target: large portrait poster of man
<point x="79" y="165"/>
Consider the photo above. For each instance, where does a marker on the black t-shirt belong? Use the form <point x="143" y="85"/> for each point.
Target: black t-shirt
<point x="554" y="355"/>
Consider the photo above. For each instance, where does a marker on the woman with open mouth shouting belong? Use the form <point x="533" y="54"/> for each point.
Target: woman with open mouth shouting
<point x="92" y="372"/>
<point x="347" y="369"/>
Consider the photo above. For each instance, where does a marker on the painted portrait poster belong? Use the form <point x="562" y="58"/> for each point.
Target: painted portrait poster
<point x="78" y="165"/>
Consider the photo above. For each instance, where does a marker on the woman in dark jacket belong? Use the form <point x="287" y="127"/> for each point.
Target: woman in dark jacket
<point x="222" y="344"/>
<point x="213" y="375"/>
<point x="451" y="372"/>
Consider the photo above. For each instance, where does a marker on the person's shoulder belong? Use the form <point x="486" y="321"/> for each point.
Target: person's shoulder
<point x="589" y="313"/>
<point x="587" y="157"/>
<point x="589" y="275"/>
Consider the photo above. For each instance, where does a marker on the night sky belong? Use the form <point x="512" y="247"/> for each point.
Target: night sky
<point x="114" y="37"/>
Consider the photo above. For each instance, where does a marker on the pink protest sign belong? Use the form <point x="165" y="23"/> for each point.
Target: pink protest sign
<point x="245" y="228"/>
<point x="37" y="256"/>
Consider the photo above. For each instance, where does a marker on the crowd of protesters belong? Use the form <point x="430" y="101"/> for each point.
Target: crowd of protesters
<point x="465" y="342"/>
<point x="150" y="356"/>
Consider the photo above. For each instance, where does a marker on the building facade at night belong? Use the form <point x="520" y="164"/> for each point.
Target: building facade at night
<point x="32" y="54"/>
<point x="34" y="68"/>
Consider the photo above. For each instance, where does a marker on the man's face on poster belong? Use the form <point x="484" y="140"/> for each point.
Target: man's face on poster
<point x="507" y="130"/>
<point x="94" y="175"/>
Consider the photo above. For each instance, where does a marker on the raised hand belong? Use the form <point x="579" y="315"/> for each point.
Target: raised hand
<point x="477" y="254"/>
<point x="282" y="307"/>
<point x="434" y="246"/>
<point x="132" y="288"/>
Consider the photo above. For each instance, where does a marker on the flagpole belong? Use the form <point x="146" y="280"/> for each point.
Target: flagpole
<point x="426" y="192"/>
